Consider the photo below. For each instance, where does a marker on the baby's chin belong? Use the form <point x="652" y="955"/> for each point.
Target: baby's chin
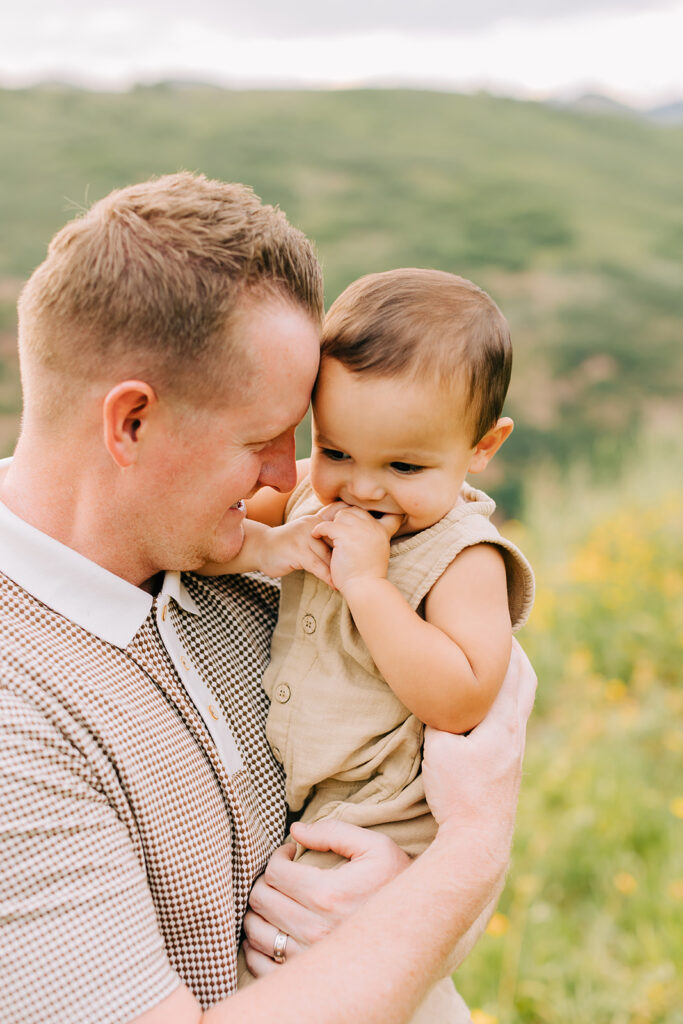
<point x="409" y="526"/>
<point x="406" y="529"/>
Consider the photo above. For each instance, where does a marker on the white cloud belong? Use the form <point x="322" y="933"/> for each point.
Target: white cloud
<point x="314" y="18"/>
<point x="633" y="53"/>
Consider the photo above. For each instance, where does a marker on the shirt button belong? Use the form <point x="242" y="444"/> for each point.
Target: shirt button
<point x="309" y="624"/>
<point x="282" y="693"/>
<point x="277" y="755"/>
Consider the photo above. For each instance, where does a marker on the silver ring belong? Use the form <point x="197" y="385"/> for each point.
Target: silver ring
<point x="280" y="947"/>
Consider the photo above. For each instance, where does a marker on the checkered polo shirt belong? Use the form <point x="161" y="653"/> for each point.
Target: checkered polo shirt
<point x="139" y="798"/>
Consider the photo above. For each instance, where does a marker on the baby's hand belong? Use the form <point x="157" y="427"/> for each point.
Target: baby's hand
<point x="293" y="546"/>
<point x="359" y="542"/>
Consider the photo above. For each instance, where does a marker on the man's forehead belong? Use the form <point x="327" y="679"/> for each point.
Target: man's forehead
<point x="273" y="353"/>
<point x="271" y="412"/>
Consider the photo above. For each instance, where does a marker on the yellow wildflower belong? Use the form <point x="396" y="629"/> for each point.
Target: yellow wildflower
<point x="676" y="807"/>
<point x="580" y="661"/>
<point x="481" y="1017"/>
<point x="498" y="925"/>
<point x="676" y="889"/>
<point x="615" y="689"/>
<point x="625" y="883"/>
<point x="527" y="883"/>
<point x="673" y="741"/>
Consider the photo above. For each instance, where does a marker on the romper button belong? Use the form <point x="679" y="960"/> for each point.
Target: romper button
<point x="277" y="755"/>
<point x="309" y="623"/>
<point x="282" y="693"/>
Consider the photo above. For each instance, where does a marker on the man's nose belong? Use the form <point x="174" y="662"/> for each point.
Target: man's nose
<point x="278" y="466"/>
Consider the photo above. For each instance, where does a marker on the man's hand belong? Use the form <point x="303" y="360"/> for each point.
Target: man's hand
<point x="359" y="542"/>
<point x="475" y="778"/>
<point x="307" y="902"/>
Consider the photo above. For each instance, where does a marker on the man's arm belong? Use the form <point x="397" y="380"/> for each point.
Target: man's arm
<point x="377" y="965"/>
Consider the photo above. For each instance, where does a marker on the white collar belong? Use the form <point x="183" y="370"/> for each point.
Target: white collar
<point x="80" y="590"/>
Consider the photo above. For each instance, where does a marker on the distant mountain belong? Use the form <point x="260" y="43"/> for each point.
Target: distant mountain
<point x="670" y="113"/>
<point x="599" y="104"/>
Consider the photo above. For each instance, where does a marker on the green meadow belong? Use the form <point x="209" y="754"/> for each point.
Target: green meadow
<point x="574" y="223"/>
<point x="590" y="926"/>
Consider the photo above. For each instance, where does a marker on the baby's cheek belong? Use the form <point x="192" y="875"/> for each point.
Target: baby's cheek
<point x="324" y="487"/>
<point x="413" y="503"/>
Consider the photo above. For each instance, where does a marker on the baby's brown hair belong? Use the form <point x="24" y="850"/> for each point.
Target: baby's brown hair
<point x="429" y="324"/>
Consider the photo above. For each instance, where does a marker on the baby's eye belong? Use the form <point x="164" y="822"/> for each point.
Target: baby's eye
<point x="333" y="455"/>
<point x="406" y="467"/>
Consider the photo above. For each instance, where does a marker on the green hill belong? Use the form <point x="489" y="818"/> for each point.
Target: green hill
<point x="573" y="222"/>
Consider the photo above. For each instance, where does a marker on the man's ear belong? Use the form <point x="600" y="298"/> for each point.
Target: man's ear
<point x="489" y="444"/>
<point x="125" y="416"/>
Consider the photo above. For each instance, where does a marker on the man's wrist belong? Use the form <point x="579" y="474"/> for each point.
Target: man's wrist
<point x="476" y="863"/>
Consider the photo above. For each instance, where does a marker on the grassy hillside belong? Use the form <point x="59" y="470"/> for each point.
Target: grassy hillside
<point x="375" y="177"/>
<point x="573" y="222"/>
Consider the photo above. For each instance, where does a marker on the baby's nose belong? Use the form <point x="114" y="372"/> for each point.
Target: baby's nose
<point x="366" y="487"/>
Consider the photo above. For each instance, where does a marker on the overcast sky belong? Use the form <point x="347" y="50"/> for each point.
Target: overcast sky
<point x="628" y="48"/>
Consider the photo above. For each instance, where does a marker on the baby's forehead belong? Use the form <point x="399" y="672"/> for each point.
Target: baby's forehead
<point x="402" y="415"/>
<point x="446" y="396"/>
<point x="425" y="377"/>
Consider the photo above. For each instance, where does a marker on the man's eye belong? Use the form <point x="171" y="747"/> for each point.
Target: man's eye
<point x="406" y="467"/>
<point x="333" y="455"/>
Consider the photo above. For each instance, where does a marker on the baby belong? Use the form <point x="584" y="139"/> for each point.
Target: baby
<point x="406" y="612"/>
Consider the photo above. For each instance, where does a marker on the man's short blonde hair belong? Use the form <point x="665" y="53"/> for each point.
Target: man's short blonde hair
<point x="146" y="283"/>
<point x="428" y="324"/>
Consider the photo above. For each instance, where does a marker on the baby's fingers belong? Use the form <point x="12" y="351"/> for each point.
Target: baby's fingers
<point x="328" y="512"/>
<point x="320" y="548"/>
<point x="390" y="523"/>
<point x="318" y="561"/>
<point x="320" y="569"/>
<point x="325" y="529"/>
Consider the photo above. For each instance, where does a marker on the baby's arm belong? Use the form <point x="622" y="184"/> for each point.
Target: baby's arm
<point x="448" y="667"/>
<point x="273" y="548"/>
<point x="278" y="550"/>
<point x="268" y="506"/>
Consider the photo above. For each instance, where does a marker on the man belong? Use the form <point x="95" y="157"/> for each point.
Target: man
<point x="168" y="346"/>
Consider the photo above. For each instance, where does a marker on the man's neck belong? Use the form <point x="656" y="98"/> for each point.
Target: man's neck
<point x="56" y="496"/>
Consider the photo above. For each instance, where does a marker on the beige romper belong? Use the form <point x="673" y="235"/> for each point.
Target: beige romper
<point x="350" y="749"/>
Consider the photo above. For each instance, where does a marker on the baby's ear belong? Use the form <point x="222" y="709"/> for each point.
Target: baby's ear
<point x="489" y="444"/>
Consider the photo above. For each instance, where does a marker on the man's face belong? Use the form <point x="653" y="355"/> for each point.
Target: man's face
<point x="208" y="462"/>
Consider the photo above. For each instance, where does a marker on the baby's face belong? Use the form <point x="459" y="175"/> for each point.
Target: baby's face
<point x="387" y="445"/>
